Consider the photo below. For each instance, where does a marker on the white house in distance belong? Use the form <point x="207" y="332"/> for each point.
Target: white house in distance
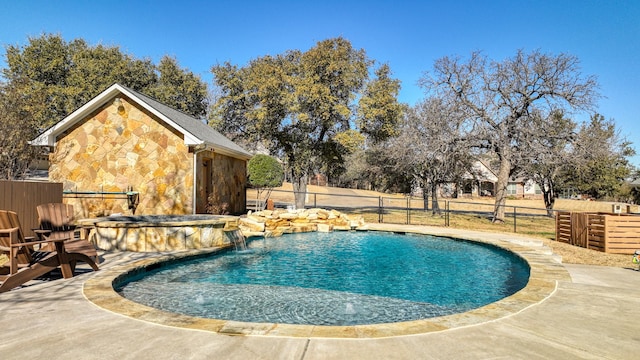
<point x="481" y="181"/>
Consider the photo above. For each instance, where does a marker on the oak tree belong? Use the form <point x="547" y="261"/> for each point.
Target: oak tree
<point x="599" y="165"/>
<point x="432" y="147"/>
<point x="71" y="73"/>
<point x="501" y="100"/>
<point x="296" y="104"/>
<point x="18" y="124"/>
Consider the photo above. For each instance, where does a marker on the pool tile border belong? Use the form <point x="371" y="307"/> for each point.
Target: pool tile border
<point x="544" y="276"/>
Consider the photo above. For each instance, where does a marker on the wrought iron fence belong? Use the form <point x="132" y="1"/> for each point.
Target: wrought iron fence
<point x="407" y="210"/>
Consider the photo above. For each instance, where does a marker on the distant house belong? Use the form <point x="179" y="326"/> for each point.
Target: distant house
<point x="522" y="188"/>
<point x="480" y="181"/>
<point x="122" y="140"/>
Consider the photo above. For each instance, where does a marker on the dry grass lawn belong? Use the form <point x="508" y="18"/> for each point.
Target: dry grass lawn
<point x="536" y="226"/>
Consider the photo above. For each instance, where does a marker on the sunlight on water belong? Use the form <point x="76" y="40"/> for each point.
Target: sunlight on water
<point x="340" y="278"/>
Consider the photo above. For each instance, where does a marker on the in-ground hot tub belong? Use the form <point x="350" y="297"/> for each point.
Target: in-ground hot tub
<point x="153" y="233"/>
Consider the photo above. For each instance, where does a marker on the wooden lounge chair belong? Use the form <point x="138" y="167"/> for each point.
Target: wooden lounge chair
<point x="24" y="263"/>
<point x="57" y="219"/>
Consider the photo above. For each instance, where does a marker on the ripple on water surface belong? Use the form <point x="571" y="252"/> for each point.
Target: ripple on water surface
<point x="335" y="279"/>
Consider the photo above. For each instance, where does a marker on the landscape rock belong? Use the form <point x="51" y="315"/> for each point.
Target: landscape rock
<point x="271" y="223"/>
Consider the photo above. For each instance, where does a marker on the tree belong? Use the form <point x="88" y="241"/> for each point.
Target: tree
<point x="72" y="73"/>
<point x="265" y="173"/>
<point x="379" y="108"/>
<point x="45" y="64"/>
<point x="352" y="144"/>
<point x="296" y="104"/>
<point x="384" y="172"/>
<point x="548" y="154"/>
<point x="93" y="69"/>
<point x="431" y="147"/>
<point x="18" y="111"/>
<point x="501" y="100"/>
<point x="180" y="88"/>
<point x="630" y="192"/>
<point x="600" y="166"/>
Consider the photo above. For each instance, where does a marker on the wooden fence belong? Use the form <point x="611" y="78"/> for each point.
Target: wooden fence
<point x="23" y="197"/>
<point x="609" y="233"/>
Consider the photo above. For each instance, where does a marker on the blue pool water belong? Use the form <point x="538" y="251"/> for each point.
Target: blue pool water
<point x="339" y="278"/>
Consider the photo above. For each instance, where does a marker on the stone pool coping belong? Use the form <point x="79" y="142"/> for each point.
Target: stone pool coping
<point x="545" y="273"/>
<point x="157" y="220"/>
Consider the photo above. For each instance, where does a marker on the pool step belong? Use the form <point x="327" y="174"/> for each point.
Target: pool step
<point x="549" y="252"/>
<point x="539" y="246"/>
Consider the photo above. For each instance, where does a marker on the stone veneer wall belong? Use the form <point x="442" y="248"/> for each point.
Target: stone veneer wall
<point x="158" y="237"/>
<point x="118" y="146"/>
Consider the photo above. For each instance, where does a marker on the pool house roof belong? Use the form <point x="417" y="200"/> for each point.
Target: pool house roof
<point x="195" y="132"/>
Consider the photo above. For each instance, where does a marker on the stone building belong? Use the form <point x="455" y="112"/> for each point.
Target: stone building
<point x="123" y="141"/>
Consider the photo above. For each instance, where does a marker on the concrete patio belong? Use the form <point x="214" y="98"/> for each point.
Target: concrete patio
<point x="593" y="315"/>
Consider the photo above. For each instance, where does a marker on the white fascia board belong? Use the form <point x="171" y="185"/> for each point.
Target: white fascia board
<point x="48" y="138"/>
<point x="230" y="153"/>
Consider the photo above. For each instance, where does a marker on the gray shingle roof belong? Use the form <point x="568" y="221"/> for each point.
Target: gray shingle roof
<point x="195" y="132"/>
<point x="192" y="125"/>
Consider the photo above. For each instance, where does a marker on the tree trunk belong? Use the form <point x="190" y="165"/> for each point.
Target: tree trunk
<point x="299" y="189"/>
<point x="258" y="206"/>
<point x="549" y="196"/>
<point x="425" y="200"/>
<point x="501" y="189"/>
<point x="434" y="199"/>
<point x="425" y="196"/>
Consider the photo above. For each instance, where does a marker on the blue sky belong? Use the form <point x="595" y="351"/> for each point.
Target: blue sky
<point x="408" y="35"/>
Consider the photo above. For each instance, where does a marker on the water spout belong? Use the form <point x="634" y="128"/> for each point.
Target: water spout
<point x="238" y="240"/>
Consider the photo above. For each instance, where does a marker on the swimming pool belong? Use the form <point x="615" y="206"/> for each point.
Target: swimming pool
<point x="340" y="278"/>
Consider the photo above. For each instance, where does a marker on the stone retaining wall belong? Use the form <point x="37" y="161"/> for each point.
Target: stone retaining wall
<point x="276" y="222"/>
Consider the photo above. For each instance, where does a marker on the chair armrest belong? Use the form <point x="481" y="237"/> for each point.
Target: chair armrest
<point x="9" y="231"/>
<point x="37" y="242"/>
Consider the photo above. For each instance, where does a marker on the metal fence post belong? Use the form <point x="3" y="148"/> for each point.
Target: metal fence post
<point x="408" y="212"/>
<point x="447" y="213"/>
<point x="315" y="196"/>
<point x="380" y="219"/>
<point x="514" y="220"/>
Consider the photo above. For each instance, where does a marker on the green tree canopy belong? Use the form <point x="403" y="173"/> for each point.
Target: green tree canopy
<point x="71" y="73"/>
<point x="179" y="88"/>
<point x="296" y="104"/>
<point x="379" y="108"/>
<point x="600" y="166"/>
<point x="18" y="110"/>
<point x="265" y="171"/>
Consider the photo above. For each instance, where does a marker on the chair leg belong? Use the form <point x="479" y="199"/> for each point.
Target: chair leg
<point x="27" y="274"/>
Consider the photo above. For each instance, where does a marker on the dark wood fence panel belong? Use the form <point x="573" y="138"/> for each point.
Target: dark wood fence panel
<point x="580" y="229"/>
<point x="23" y="197"/>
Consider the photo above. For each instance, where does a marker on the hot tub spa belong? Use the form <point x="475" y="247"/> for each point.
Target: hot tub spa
<point x="154" y="233"/>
